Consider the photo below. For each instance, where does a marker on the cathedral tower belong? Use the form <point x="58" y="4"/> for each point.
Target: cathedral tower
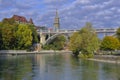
<point x="56" y="21"/>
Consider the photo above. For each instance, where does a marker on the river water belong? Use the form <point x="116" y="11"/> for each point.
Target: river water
<point x="55" y="67"/>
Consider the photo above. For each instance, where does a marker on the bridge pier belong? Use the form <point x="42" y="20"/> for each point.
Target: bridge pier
<point x="42" y="38"/>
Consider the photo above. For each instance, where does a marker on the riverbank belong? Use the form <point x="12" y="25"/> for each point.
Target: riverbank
<point x="24" y="52"/>
<point x="106" y="58"/>
<point x="54" y="51"/>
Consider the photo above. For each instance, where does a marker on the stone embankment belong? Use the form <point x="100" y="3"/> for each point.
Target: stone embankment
<point x="107" y="58"/>
<point x="23" y="52"/>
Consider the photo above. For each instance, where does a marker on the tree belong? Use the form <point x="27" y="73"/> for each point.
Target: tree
<point x="24" y="36"/>
<point x="10" y="21"/>
<point x="34" y="33"/>
<point x="110" y="43"/>
<point x="118" y="33"/>
<point x="90" y="41"/>
<point x="8" y="28"/>
<point x="85" y="41"/>
<point x="8" y="38"/>
<point x="57" y="44"/>
<point x="1" y="42"/>
<point x="75" y="43"/>
<point x="16" y="36"/>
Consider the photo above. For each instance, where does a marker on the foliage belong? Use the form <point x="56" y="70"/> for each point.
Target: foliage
<point x="90" y="41"/>
<point x="118" y="33"/>
<point x="1" y="43"/>
<point x="10" y="21"/>
<point x="16" y="36"/>
<point x="57" y="44"/>
<point x="34" y="33"/>
<point x="7" y="34"/>
<point x="75" y="42"/>
<point x="49" y="47"/>
<point x="82" y="55"/>
<point x="85" y="41"/>
<point x="110" y="43"/>
<point x="24" y="36"/>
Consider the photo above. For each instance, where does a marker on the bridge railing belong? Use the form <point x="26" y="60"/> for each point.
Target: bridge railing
<point x="57" y="31"/>
<point x="102" y="30"/>
<point x="107" y="30"/>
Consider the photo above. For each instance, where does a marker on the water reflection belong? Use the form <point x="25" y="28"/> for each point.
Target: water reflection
<point x="15" y="68"/>
<point x="55" y="67"/>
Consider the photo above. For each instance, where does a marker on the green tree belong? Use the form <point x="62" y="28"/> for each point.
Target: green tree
<point x="1" y="42"/>
<point x="90" y="41"/>
<point x="75" y="43"/>
<point x="110" y="43"/>
<point x="118" y="33"/>
<point x="34" y="33"/>
<point x="8" y="32"/>
<point x="0" y="24"/>
<point x="10" y="21"/>
<point x="24" y="36"/>
<point x="16" y="36"/>
<point x="85" y="41"/>
<point x="8" y="28"/>
<point x="57" y="44"/>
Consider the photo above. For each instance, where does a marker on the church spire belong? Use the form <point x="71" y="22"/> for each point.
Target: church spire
<point x="56" y="21"/>
<point x="57" y="14"/>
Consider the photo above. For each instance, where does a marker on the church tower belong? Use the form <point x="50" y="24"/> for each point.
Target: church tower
<point x="56" y="22"/>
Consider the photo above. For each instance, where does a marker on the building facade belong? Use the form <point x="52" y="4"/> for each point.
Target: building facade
<point x="22" y="19"/>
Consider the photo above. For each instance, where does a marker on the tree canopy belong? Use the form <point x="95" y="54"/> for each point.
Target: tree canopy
<point x="57" y="44"/>
<point x="24" y="36"/>
<point x="75" y="42"/>
<point x="118" y="33"/>
<point x="110" y="43"/>
<point x="84" y="41"/>
<point x="16" y="36"/>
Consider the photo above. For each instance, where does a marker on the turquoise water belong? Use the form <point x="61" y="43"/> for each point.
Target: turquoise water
<point x="55" y="67"/>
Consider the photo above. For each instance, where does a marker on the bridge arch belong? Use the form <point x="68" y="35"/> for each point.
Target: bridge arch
<point x="51" y="38"/>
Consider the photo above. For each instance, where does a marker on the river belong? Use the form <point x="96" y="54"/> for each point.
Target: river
<point x="55" y="67"/>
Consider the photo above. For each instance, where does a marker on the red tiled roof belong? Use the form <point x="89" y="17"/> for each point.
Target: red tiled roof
<point x="22" y="19"/>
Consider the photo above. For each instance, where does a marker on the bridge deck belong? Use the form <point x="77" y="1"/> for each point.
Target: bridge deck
<point x="101" y="30"/>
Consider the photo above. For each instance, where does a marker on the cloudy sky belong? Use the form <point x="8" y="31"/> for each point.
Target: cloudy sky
<point x="73" y="13"/>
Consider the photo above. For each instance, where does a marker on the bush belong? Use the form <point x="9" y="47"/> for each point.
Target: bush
<point x="83" y="55"/>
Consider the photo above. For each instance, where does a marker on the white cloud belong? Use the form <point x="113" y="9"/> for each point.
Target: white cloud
<point x="14" y="10"/>
<point x="73" y="13"/>
<point x="108" y="2"/>
<point x="57" y="1"/>
<point x="82" y="1"/>
<point x="90" y="7"/>
<point x="118" y="10"/>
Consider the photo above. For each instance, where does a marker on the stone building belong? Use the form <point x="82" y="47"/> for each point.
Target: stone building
<point x="22" y="19"/>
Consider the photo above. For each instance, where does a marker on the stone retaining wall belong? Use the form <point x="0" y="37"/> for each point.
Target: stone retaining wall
<point x="12" y="51"/>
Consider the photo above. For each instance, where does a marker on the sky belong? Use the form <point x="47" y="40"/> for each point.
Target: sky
<point x="73" y="13"/>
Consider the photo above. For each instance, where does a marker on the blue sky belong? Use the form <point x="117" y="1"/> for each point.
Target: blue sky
<point x="73" y="13"/>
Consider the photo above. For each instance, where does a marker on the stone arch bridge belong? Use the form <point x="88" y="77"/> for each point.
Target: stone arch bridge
<point x="51" y="34"/>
